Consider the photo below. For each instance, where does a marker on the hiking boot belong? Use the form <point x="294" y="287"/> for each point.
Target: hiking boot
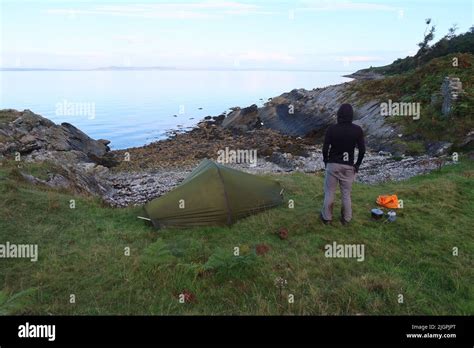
<point x="326" y="222"/>
<point x="344" y="222"/>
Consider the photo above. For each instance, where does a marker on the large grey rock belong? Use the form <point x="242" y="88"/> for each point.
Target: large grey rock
<point x="303" y="113"/>
<point x="78" y="179"/>
<point x="76" y="158"/>
<point x="468" y="141"/>
<point x="29" y="133"/>
<point x="283" y="160"/>
<point x="439" y="148"/>
<point x="243" y="119"/>
<point x="300" y="112"/>
<point x="451" y="89"/>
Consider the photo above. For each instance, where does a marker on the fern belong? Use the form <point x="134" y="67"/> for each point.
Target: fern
<point x="15" y="303"/>
<point x="224" y="262"/>
<point x="158" y="255"/>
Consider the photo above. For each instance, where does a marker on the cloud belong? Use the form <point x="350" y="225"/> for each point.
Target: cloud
<point x="170" y="10"/>
<point x="334" y="5"/>
<point x="73" y="53"/>
<point x="65" y="53"/>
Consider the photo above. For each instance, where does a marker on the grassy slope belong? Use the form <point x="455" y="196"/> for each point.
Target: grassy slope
<point x="81" y="252"/>
<point x="462" y="43"/>
<point x="418" y="86"/>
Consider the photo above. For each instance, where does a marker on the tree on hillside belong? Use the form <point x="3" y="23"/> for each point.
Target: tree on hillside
<point x="428" y="37"/>
<point x="451" y="32"/>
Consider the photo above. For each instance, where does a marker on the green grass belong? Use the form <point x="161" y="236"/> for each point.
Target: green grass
<point x="81" y="252"/>
<point x="419" y="86"/>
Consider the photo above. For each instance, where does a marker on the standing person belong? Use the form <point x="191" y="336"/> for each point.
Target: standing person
<point x="338" y="156"/>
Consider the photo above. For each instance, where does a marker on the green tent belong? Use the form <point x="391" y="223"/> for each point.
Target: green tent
<point x="213" y="194"/>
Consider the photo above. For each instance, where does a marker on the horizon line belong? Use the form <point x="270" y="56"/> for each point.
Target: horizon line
<point x="145" y="68"/>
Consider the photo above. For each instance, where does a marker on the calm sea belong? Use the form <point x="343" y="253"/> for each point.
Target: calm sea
<point x="133" y="108"/>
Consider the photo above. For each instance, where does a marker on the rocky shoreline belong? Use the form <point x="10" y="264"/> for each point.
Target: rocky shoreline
<point x="135" y="188"/>
<point x="285" y="134"/>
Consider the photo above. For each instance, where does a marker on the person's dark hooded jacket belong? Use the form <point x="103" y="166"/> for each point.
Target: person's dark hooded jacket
<point x="342" y="138"/>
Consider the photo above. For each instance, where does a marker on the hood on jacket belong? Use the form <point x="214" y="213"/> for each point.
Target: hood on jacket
<point x="345" y="114"/>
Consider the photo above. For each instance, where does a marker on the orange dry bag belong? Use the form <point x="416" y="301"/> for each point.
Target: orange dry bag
<point x="388" y="201"/>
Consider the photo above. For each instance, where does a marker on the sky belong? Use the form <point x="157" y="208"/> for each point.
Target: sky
<point x="339" y="35"/>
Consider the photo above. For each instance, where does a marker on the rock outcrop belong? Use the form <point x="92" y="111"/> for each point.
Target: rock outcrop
<point x="81" y="178"/>
<point x="32" y="134"/>
<point x="309" y="112"/>
<point x="77" y="160"/>
<point x="365" y="74"/>
<point x="243" y="119"/>
<point x="451" y="89"/>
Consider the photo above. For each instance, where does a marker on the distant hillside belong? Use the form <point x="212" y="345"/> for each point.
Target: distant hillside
<point x="463" y="43"/>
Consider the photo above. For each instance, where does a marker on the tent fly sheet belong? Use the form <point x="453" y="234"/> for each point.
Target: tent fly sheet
<point x="213" y="194"/>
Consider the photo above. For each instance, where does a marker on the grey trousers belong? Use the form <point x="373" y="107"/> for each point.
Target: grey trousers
<point x="343" y="175"/>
